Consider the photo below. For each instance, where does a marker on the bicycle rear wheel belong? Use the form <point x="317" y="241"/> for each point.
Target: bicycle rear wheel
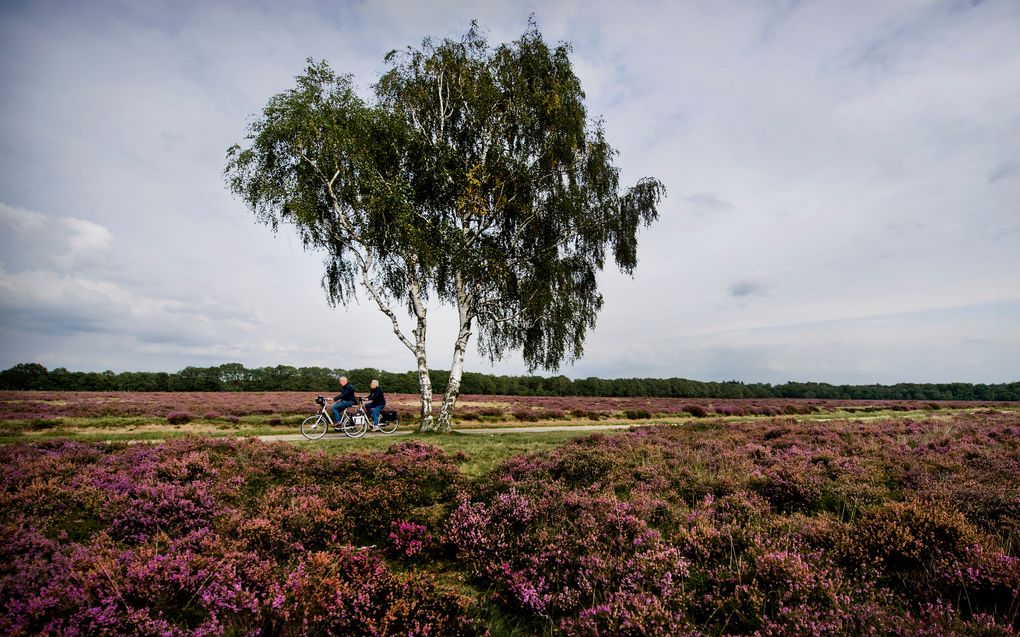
<point x="353" y="429"/>
<point x="314" y="427"/>
<point x="388" y="427"/>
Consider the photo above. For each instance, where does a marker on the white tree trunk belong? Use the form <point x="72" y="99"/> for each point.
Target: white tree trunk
<point x="424" y="380"/>
<point x="425" y="387"/>
<point x="465" y="307"/>
<point x="417" y="304"/>
<point x="418" y="346"/>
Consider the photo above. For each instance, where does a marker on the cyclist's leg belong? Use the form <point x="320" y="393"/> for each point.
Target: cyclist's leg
<point x="375" y="415"/>
<point x="338" y="407"/>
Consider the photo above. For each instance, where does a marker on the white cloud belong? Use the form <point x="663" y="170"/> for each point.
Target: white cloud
<point x="68" y="242"/>
<point x="19" y="219"/>
<point x="85" y="241"/>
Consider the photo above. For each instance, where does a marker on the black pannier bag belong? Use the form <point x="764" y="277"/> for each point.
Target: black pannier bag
<point x="388" y="415"/>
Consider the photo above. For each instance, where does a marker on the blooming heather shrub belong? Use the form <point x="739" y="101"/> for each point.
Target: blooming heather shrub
<point x="990" y="581"/>
<point x="268" y="537"/>
<point x="782" y="592"/>
<point x="196" y="584"/>
<point x="144" y="510"/>
<point x="204" y="536"/>
<point x="797" y="408"/>
<point x="408" y="539"/>
<point x="524" y="415"/>
<point x="637" y="414"/>
<point x="350" y="592"/>
<point x="717" y="529"/>
<point x="789" y="488"/>
<point x="942" y="618"/>
<point x="407" y="481"/>
<point x="754" y="518"/>
<point x="581" y="466"/>
<point x="633" y="615"/>
<point x="551" y="414"/>
<point x="696" y="410"/>
<point x="992" y="506"/>
<point x="42" y="424"/>
<point x="568" y="553"/>
<point x="905" y="536"/>
<point x="303" y="517"/>
<point x="179" y="417"/>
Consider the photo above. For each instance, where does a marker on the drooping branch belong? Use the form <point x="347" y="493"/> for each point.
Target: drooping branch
<point x="377" y="296"/>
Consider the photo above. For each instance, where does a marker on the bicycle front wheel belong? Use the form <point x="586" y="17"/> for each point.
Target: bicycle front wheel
<point x="314" y="427"/>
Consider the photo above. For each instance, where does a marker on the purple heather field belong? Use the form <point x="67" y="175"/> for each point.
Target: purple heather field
<point x="773" y="526"/>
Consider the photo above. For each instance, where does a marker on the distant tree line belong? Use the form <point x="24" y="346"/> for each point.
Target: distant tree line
<point x="236" y="377"/>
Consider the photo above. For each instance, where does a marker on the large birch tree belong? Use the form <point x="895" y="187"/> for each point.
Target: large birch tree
<point x="476" y="178"/>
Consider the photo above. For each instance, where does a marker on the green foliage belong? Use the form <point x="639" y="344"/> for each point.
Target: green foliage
<point x="236" y="377"/>
<point x="24" y="376"/>
<point x="323" y="160"/>
<point x="525" y="197"/>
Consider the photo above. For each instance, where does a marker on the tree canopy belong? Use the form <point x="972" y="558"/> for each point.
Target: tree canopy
<point x="476" y="177"/>
<point x="525" y="190"/>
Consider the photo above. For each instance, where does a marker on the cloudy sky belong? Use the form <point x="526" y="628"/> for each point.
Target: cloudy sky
<point x="844" y="185"/>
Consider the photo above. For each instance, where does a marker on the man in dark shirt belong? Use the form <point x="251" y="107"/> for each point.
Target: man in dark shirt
<point x="375" y="404"/>
<point x="344" y="399"/>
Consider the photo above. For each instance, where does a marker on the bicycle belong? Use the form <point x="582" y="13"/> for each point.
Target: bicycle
<point x="385" y="426"/>
<point x="317" y="426"/>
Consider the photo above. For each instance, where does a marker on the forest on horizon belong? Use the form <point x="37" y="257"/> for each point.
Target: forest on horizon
<point x="234" y="377"/>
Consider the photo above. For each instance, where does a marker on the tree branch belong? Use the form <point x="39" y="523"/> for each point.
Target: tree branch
<point x="377" y="296"/>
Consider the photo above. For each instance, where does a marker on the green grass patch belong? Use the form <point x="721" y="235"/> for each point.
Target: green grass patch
<point x="482" y="452"/>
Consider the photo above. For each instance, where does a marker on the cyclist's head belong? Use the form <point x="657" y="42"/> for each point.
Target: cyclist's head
<point x="343" y="380"/>
<point x="375" y="384"/>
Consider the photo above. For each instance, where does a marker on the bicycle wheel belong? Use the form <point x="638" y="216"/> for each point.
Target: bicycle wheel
<point x="388" y="427"/>
<point x="353" y="429"/>
<point x="314" y="427"/>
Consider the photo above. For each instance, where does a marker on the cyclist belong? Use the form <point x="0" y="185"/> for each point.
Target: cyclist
<point x="344" y="399"/>
<point x="375" y="404"/>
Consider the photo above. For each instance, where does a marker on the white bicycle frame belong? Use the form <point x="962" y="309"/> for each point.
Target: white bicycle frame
<point x="315" y="427"/>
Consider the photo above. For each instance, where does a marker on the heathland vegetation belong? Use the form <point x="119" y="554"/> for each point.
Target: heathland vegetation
<point x="38" y="415"/>
<point x="776" y="526"/>
<point x="234" y="377"/>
